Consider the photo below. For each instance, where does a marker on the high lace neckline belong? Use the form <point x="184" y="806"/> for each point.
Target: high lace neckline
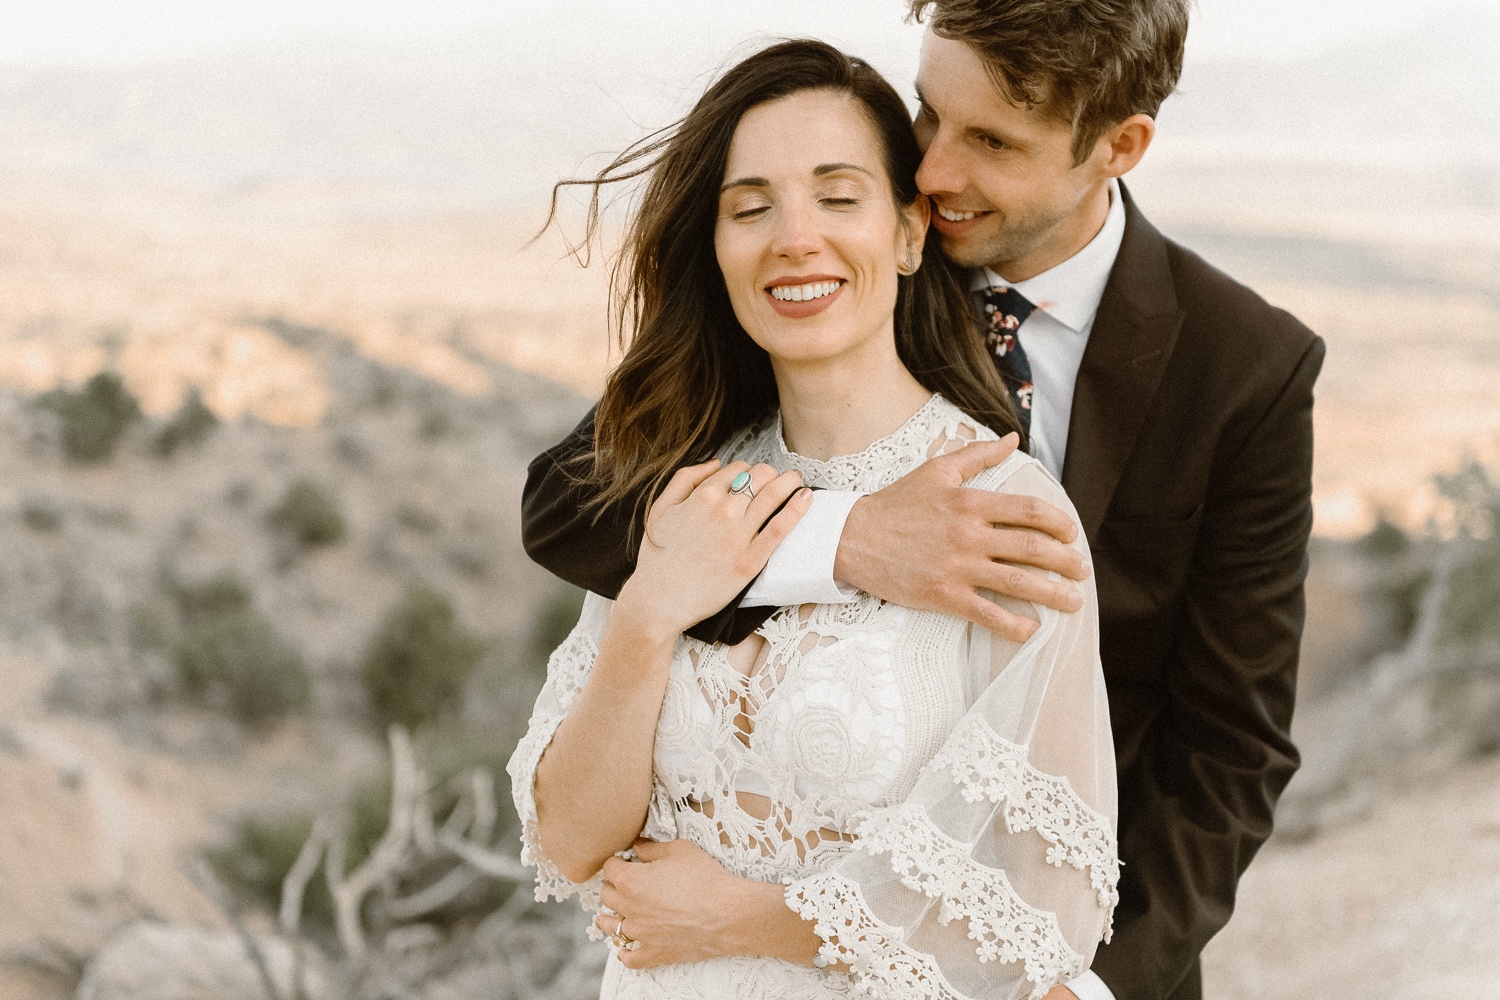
<point x="907" y="444"/>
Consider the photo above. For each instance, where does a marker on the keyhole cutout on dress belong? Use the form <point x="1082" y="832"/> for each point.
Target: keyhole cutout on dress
<point x="758" y="667"/>
<point x="740" y="679"/>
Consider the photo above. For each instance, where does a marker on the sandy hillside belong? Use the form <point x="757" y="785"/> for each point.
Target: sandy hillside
<point x="1403" y="903"/>
<point x="292" y="307"/>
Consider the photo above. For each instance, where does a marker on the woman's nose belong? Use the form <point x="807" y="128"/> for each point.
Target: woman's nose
<point x="796" y="232"/>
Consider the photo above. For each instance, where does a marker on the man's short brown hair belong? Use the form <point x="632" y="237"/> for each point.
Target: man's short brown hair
<point x="1088" y="64"/>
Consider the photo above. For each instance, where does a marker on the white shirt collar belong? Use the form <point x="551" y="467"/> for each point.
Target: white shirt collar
<point x="1070" y="292"/>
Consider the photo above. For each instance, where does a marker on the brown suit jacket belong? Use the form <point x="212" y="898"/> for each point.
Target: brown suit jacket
<point x="1189" y="459"/>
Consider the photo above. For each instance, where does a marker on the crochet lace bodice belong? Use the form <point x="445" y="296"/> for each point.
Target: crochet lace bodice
<point x="938" y="801"/>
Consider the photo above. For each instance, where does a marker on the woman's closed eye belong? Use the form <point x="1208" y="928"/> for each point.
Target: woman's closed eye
<point x="750" y="212"/>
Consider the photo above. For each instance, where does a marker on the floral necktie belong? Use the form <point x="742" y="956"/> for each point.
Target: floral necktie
<point x="1005" y="309"/>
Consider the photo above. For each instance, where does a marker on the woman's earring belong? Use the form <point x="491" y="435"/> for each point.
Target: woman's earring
<point x="909" y="265"/>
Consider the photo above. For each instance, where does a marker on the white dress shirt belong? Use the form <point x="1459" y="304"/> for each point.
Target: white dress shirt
<point x="1054" y="336"/>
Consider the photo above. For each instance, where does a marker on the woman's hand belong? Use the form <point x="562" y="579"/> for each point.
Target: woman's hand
<point x="703" y="544"/>
<point x="680" y="905"/>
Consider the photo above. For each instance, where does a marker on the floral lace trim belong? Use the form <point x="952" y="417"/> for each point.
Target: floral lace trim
<point x="878" y="465"/>
<point x="868" y="945"/>
<point x="567" y="672"/>
<point x="991" y="767"/>
<point x="1006" y="927"/>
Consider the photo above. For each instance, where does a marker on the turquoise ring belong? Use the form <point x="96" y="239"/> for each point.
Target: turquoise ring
<point x="741" y="484"/>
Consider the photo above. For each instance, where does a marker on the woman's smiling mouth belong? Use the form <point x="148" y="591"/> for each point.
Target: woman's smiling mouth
<point x="798" y="298"/>
<point x="804" y="293"/>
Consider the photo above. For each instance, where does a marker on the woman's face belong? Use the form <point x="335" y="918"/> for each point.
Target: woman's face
<point x="808" y="235"/>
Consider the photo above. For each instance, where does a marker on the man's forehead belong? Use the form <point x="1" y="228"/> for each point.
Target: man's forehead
<point x="954" y="74"/>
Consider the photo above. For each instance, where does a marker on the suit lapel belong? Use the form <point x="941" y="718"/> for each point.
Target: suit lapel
<point x="1128" y="350"/>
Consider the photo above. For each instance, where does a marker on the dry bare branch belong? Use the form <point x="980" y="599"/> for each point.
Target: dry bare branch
<point x="294" y="886"/>
<point x="486" y="812"/>
<point x="203" y="877"/>
<point x="492" y="863"/>
<point x="435" y="896"/>
<point x="408" y="793"/>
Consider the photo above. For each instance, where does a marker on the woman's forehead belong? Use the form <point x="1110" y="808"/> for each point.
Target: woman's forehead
<point x="797" y="134"/>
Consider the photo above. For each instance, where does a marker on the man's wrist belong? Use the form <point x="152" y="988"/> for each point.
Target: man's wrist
<point x="845" y="559"/>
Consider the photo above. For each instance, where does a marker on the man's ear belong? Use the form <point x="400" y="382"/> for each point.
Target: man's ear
<point x="1124" y="144"/>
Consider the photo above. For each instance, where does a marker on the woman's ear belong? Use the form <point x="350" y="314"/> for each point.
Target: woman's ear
<point x="915" y="219"/>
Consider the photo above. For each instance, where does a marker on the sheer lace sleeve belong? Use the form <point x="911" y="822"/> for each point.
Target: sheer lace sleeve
<point x="996" y="876"/>
<point x="568" y="670"/>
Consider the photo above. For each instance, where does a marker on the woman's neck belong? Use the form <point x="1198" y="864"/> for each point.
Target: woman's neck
<point x="841" y="406"/>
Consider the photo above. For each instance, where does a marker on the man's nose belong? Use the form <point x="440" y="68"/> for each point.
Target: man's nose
<point x="939" y="172"/>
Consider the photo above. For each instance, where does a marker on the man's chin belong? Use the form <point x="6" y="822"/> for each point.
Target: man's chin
<point x="966" y="251"/>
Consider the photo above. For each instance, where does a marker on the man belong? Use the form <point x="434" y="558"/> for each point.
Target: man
<point x="1174" y="405"/>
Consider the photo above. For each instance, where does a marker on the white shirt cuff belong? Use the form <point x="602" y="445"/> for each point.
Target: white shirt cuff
<point x="800" y="571"/>
<point x="1090" y="987"/>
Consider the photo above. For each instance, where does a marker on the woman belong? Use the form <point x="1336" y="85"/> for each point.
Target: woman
<point x="865" y="796"/>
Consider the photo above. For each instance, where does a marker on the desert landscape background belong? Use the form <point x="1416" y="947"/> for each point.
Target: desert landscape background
<point x="307" y="262"/>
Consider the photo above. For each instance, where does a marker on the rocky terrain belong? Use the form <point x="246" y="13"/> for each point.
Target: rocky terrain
<point x="395" y="356"/>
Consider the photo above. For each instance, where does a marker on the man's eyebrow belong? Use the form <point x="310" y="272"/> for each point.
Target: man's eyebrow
<point x="833" y="168"/>
<point x="754" y="182"/>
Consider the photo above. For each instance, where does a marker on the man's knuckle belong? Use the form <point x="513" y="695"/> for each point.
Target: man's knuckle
<point x="1031" y="547"/>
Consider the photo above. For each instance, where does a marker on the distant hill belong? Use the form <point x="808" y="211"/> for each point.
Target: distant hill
<point x="503" y="116"/>
<point x="1433" y="94"/>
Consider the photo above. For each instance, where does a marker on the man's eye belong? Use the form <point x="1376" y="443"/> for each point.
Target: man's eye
<point x="992" y="143"/>
<point x="924" y="110"/>
<point x="841" y="202"/>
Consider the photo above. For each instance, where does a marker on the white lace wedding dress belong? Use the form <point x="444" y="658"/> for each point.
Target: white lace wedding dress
<point x="940" y="802"/>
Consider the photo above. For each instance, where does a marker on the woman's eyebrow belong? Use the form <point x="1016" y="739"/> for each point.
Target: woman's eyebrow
<point x="833" y="168"/>
<point x="746" y="182"/>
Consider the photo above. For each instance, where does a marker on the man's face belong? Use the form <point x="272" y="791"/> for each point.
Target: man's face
<point x="1005" y="191"/>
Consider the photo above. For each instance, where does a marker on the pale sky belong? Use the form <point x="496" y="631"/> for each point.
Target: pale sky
<point x="93" y="32"/>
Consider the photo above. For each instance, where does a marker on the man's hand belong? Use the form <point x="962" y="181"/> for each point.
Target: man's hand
<point x="928" y="542"/>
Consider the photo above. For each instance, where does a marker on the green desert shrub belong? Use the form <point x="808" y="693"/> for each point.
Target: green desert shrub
<point x="1470" y="622"/>
<point x="229" y="655"/>
<point x="191" y="424"/>
<point x="93" y="419"/>
<point x="551" y="626"/>
<point x="309" y="516"/>
<point x="419" y="659"/>
<point x="41" y="515"/>
<point x="254" y="859"/>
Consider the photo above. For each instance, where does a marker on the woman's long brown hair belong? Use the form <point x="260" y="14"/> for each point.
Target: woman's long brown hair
<point x="690" y="376"/>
